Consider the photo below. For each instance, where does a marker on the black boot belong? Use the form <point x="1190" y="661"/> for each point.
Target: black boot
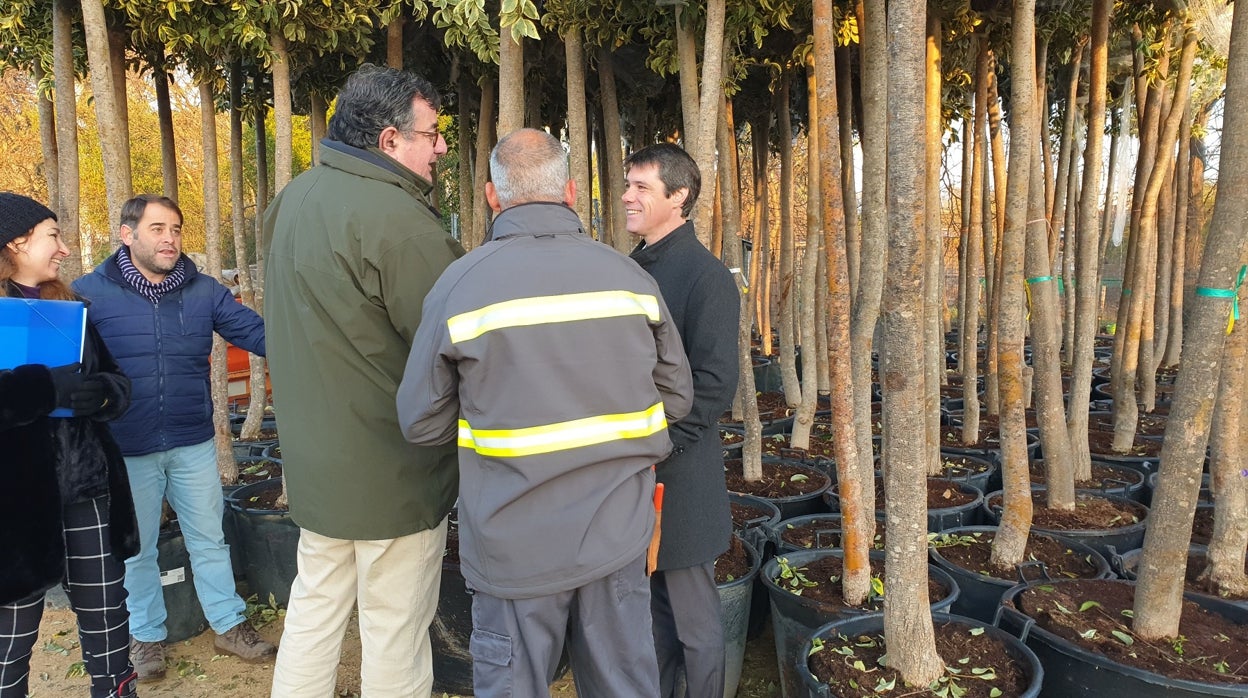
<point x="118" y="686"/>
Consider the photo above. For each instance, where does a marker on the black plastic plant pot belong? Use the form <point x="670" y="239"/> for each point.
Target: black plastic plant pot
<point x="979" y="477"/>
<point x="794" y="617"/>
<point x="979" y="594"/>
<point x="967" y="514"/>
<point x="756" y="531"/>
<point x="1205" y="497"/>
<point x="229" y="529"/>
<point x="873" y="624"/>
<point x="1126" y="565"/>
<point x="1101" y="540"/>
<point x="799" y="504"/>
<point x="266" y="424"/>
<point x="1075" y="672"/>
<point x="269" y="539"/>
<point x="734" y="604"/>
<point x="185" y="618"/>
<point x="827" y="536"/>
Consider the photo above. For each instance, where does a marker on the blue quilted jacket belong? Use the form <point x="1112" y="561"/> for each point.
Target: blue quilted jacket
<point x="163" y="347"/>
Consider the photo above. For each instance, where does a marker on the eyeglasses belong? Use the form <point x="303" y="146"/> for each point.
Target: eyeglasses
<point x="433" y="135"/>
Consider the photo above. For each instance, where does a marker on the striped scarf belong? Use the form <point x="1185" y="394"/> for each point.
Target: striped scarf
<point x="135" y="278"/>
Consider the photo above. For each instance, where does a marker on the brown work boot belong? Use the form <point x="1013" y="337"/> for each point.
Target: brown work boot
<point x="243" y="640"/>
<point x="148" y="659"/>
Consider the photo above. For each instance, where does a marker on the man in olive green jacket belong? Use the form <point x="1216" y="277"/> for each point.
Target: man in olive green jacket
<point x="354" y="246"/>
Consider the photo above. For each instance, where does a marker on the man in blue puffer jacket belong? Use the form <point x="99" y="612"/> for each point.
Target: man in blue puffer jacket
<point x="157" y="315"/>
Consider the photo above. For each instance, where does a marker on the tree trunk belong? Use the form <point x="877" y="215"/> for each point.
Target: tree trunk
<point x="1011" y="538"/>
<point x="907" y="616"/>
<point x="973" y="253"/>
<point x="785" y="277"/>
<point x="510" y="83"/>
<point x="168" y="146"/>
<point x="687" y="59"/>
<point x="760" y="260"/>
<point x="394" y="42"/>
<point x="283" y="134"/>
<point x="855" y="509"/>
<point x="47" y="139"/>
<point x="226" y="466"/>
<point x="933" y="250"/>
<point x="866" y="308"/>
<point x="1182" y="187"/>
<point x="1195" y="200"/>
<point x="1159" y="593"/>
<point x="613" y="153"/>
<point x="1088" y="244"/>
<point x="464" y="149"/>
<point x="1065" y="157"/>
<point x="751" y="450"/>
<point x="262" y="188"/>
<point x="66" y="137"/>
<point x="849" y="190"/>
<point x="1070" y="253"/>
<point x="578" y="129"/>
<point x="804" y="416"/>
<point x="485" y="143"/>
<point x="114" y="142"/>
<point x="317" y="125"/>
<point x="994" y="219"/>
<point x="702" y="141"/>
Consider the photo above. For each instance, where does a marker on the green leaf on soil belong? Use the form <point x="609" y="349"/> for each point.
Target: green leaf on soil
<point x="77" y="670"/>
<point x="1061" y="608"/>
<point x="1088" y="634"/>
<point x="1128" y="613"/>
<point x="799" y="478"/>
<point x="1088" y="604"/>
<point x="977" y="631"/>
<point x="885" y="686"/>
<point x="859" y="665"/>
<point x="1123" y="637"/>
<point x="995" y="693"/>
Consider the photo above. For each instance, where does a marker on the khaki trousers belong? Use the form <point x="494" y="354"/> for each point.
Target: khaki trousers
<point x="394" y="582"/>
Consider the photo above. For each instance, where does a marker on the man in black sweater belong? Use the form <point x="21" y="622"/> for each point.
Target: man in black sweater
<point x="662" y="186"/>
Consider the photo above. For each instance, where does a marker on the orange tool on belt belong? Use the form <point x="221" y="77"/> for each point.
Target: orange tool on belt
<point x="652" y="553"/>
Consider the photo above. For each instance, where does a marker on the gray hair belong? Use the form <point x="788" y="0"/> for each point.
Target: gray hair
<point x="529" y="165"/>
<point x="374" y="98"/>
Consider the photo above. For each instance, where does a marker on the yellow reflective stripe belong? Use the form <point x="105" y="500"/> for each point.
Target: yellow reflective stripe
<point x="548" y="438"/>
<point x="541" y="310"/>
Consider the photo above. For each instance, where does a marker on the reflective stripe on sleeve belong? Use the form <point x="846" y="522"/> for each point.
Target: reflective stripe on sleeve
<point x="561" y="436"/>
<point x="540" y="310"/>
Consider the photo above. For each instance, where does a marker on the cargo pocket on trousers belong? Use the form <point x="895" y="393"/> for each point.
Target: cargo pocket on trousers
<point x="491" y="657"/>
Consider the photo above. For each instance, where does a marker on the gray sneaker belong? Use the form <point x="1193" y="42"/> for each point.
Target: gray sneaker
<point x="148" y="659"/>
<point x="243" y="641"/>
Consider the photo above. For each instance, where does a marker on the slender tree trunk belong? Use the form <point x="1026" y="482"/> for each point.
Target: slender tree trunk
<point x="464" y="149"/>
<point x="1182" y="179"/>
<point x="238" y="218"/>
<point x="317" y="125"/>
<point x="1087" y="244"/>
<point x="613" y="152"/>
<point x="1195" y="201"/>
<point x="907" y="618"/>
<point x="1043" y="109"/>
<point x="687" y="58"/>
<point x="283" y="136"/>
<point x="849" y="190"/>
<point x="786" y="276"/>
<point x="933" y="250"/>
<point x="578" y="128"/>
<point x="973" y="252"/>
<point x="762" y="207"/>
<point x="1066" y="158"/>
<point x="394" y="42"/>
<point x="485" y="143"/>
<point x="108" y="114"/>
<point x="702" y="141"/>
<point x="66" y="136"/>
<point x="262" y="188"/>
<point x="1165" y="265"/>
<point x="1070" y="252"/>
<point x="875" y="220"/>
<point x="804" y="416"/>
<point x="47" y="138"/>
<point x="856" y="571"/>
<point x="226" y="466"/>
<point x="751" y="450"/>
<point x="1159" y="592"/>
<point x="994" y="220"/>
<point x="1011" y="538"/>
<point x="164" y="115"/>
<point x="510" y="83"/>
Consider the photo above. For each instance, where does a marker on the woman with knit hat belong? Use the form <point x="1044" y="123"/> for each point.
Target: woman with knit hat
<point x="65" y="509"/>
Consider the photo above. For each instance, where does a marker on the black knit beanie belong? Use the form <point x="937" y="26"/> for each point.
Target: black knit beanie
<point x="19" y="215"/>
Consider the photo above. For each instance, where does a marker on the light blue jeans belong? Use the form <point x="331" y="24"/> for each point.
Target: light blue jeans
<point x="187" y="476"/>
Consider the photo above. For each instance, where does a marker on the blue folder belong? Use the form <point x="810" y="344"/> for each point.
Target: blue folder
<point x="36" y="331"/>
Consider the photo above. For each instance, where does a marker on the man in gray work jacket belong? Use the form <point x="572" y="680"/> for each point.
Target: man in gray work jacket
<point x="553" y="361"/>
<point x="662" y="185"/>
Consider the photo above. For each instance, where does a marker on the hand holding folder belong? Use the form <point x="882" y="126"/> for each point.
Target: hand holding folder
<point x="35" y="331"/>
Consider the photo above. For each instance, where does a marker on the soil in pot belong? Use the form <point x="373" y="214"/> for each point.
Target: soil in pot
<point x="1103" y="476"/>
<point x="821" y="532"/>
<point x="1091" y="513"/>
<point x="730" y="438"/>
<point x="779" y="480"/>
<point x="257" y="470"/>
<point x="1149" y="424"/>
<point x="265" y="435"/>
<point x="820" y="451"/>
<point x="1196" y="564"/>
<point x="1090" y="614"/>
<point x="1202" y="526"/>
<point x="1102" y="443"/>
<point x="971" y="551"/>
<point x="733" y="563"/>
<point x="981" y="666"/>
<point x="941" y="494"/>
<point x="744" y="513"/>
<point x="820" y="581"/>
<point x="265" y="500"/>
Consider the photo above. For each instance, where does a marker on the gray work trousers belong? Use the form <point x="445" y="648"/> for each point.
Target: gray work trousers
<point x="688" y="632"/>
<point x="516" y="643"/>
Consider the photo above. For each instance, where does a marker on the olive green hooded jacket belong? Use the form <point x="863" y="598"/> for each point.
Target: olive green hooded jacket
<point x="353" y="247"/>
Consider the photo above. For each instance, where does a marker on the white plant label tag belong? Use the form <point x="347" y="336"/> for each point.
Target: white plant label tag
<point x="172" y="576"/>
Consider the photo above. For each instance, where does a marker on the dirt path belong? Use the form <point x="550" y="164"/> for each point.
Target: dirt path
<point x="197" y="671"/>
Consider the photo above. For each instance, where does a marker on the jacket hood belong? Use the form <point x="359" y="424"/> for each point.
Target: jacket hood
<point x="374" y="164"/>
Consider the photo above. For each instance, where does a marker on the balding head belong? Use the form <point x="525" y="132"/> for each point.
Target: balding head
<point x="529" y="165"/>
